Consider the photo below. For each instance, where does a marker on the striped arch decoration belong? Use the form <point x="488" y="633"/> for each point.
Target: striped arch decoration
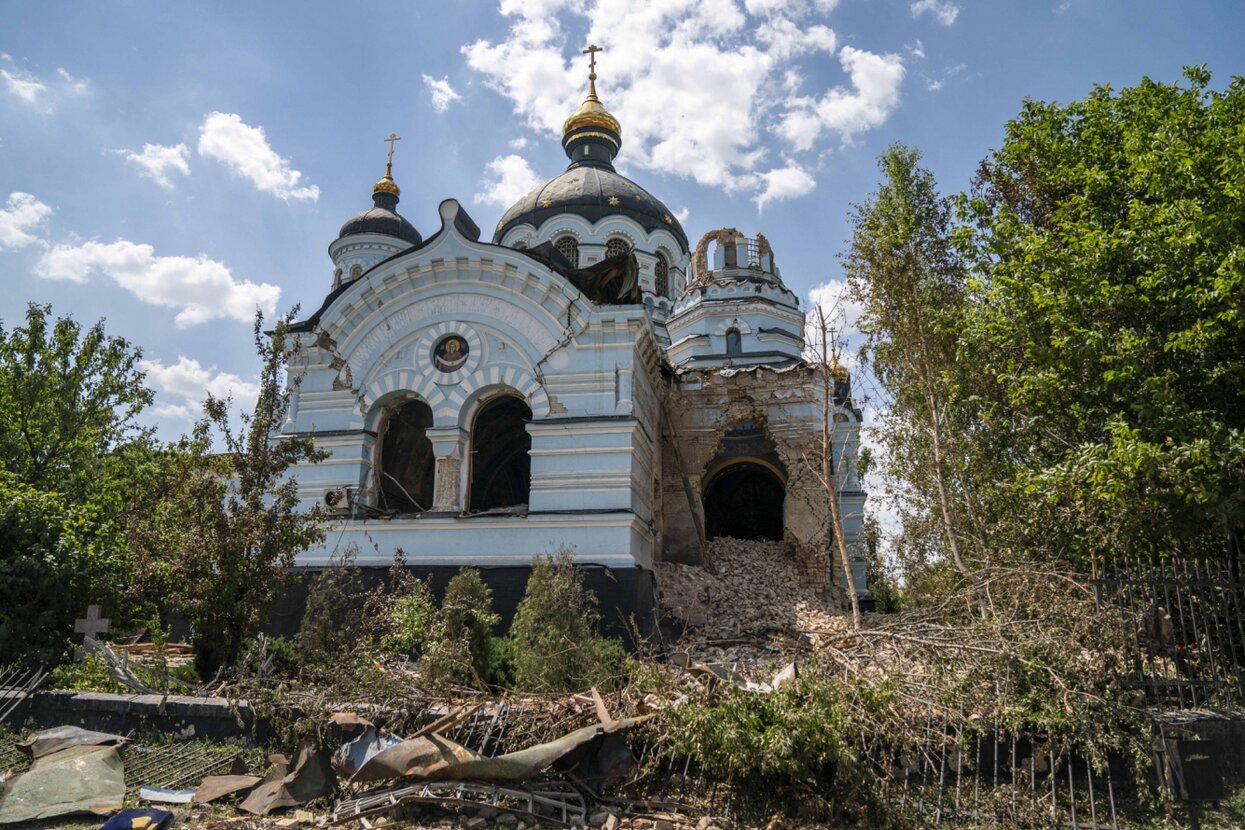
<point x="451" y="410"/>
<point x="401" y="380"/>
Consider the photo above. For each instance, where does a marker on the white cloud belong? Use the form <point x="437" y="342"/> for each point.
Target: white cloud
<point x="943" y="11"/>
<point x="682" y="214"/>
<point x="182" y="387"/>
<point x="786" y="39"/>
<point x="246" y="151"/>
<point x="699" y="85"/>
<point x="157" y="160"/>
<point x="507" y="179"/>
<point x="76" y="86"/>
<point x="937" y="84"/>
<point x="24" y="86"/>
<point x="40" y="94"/>
<point x="442" y="93"/>
<point x="201" y="289"/>
<point x="22" y="212"/>
<point x="788" y="182"/>
<point x="871" y="100"/>
<point x="519" y="143"/>
<point x="916" y="50"/>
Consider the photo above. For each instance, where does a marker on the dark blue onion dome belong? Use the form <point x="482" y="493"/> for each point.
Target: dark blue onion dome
<point x="382" y="216"/>
<point x="590" y="187"/>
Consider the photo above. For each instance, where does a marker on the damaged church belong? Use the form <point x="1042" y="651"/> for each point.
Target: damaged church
<point x="583" y="379"/>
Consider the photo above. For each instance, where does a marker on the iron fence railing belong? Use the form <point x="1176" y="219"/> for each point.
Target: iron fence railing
<point x="1189" y="617"/>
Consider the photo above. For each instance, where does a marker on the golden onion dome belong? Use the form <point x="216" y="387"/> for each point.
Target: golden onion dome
<point x="386" y="185"/>
<point x="592" y="113"/>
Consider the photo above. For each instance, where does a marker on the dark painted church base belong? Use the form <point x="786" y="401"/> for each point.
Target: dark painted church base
<point x="623" y="594"/>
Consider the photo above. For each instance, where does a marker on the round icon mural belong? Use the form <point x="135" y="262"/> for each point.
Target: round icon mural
<point x="450" y="353"/>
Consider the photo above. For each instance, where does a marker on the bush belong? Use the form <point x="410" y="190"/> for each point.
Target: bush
<point x="409" y="623"/>
<point x="331" y="627"/>
<point x="48" y="559"/>
<point x="791" y="734"/>
<point x="556" y="647"/>
<point x="464" y="628"/>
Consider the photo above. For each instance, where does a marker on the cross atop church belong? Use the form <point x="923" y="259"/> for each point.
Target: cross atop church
<point x="591" y="52"/>
<point x="392" y="137"/>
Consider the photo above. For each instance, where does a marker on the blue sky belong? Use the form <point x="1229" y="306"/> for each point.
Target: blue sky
<point x="168" y="166"/>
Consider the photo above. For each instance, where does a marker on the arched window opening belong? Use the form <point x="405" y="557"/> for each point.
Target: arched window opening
<point x="615" y="246"/>
<point x="501" y="469"/>
<point x="661" y="276"/>
<point x="568" y="246"/>
<point x="356" y="272"/>
<point x="744" y="501"/>
<point x="734" y="343"/>
<point x="405" y="475"/>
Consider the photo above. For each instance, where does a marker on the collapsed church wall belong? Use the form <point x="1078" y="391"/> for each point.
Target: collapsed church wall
<point x="761" y="427"/>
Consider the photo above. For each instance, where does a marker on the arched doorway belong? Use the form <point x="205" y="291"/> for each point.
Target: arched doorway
<point x="405" y="475"/>
<point x="744" y="501"/>
<point x="501" y="469"/>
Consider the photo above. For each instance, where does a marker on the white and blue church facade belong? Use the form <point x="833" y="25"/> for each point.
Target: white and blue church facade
<point x="584" y="379"/>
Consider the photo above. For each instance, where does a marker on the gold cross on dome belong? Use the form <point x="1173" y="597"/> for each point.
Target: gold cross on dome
<point x="591" y="52"/>
<point x="392" y="137"/>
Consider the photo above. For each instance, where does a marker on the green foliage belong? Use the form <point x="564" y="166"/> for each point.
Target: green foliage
<point x="554" y="632"/>
<point x="461" y="652"/>
<point x="904" y="271"/>
<point x="1107" y="245"/>
<point x="91" y="675"/>
<point x="792" y="733"/>
<point x="47" y="564"/>
<point x="499" y="672"/>
<point x="410" y="622"/>
<point x="330" y="627"/>
<point x="69" y="400"/>
<point x="1064" y="345"/>
<point x="227" y="526"/>
<point x="453" y="641"/>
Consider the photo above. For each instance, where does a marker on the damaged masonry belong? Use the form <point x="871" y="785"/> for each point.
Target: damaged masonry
<point x="585" y="379"/>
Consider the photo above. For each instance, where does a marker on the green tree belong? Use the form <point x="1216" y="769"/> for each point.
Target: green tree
<point x="556" y="647"/>
<point x="47" y="565"/>
<point x="230" y="524"/>
<point x="904" y="271"/>
<point x="331" y="624"/>
<point x="1106" y="241"/>
<point x="69" y="402"/>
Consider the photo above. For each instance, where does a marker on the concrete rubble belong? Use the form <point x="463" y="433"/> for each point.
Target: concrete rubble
<point x="754" y="590"/>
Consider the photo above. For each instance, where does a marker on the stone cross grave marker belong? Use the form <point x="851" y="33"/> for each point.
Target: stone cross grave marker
<point x="92" y="625"/>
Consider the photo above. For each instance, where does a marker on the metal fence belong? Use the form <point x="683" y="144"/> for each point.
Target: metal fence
<point x="1189" y="617"/>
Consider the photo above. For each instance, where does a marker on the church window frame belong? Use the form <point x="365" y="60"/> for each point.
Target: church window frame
<point x="356" y="271"/>
<point x="661" y="275"/>
<point x="616" y="246"/>
<point x="413" y="417"/>
<point x="507" y="414"/>
<point x="734" y="342"/>
<point x="568" y="246"/>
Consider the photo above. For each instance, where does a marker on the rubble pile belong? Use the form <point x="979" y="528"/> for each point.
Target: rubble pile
<point x="755" y="590"/>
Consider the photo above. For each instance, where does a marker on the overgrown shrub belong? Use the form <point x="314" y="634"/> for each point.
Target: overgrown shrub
<point x="410" y="622"/>
<point x="459" y="653"/>
<point x="793" y="733"/>
<point x="47" y="560"/>
<point x="452" y="641"/>
<point x="556" y="647"/>
<point x="330" y="627"/>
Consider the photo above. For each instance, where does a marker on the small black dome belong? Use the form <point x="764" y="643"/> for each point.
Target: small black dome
<point x="592" y="192"/>
<point x="382" y="218"/>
